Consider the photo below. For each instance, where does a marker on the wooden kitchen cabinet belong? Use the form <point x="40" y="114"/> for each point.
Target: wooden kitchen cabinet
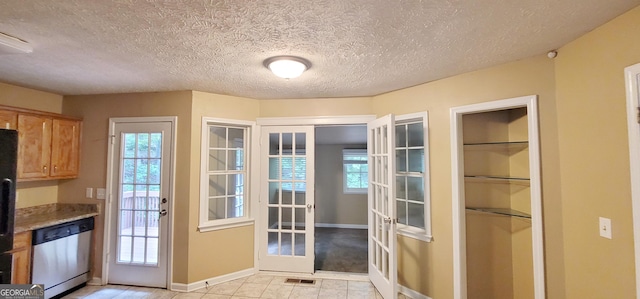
<point x="21" y="264"/>
<point x="34" y="146"/>
<point x="48" y="143"/>
<point x="8" y="120"/>
<point x="65" y="148"/>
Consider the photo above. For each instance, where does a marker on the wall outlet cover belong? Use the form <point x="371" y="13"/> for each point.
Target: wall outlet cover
<point x="605" y="228"/>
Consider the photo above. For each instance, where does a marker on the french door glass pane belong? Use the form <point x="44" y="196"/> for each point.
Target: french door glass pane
<point x="139" y="202"/>
<point x="286" y="244"/>
<point x="299" y="244"/>
<point x="301" y="196"/>
<point x="287" y="144"/>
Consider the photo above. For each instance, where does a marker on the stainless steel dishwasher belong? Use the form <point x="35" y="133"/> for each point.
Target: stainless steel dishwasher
<point x="61" y="256"/>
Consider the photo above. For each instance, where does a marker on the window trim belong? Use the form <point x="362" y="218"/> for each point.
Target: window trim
<point x="205" y="225"/>
<point x="407" y="230"/>
<point x="345" y="189"/>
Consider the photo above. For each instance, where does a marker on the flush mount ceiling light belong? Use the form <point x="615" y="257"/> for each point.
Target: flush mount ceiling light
<point x="13" y="45"/>
<point x="287" y="67"/>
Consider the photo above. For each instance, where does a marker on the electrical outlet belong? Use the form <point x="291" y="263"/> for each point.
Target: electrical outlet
<point x="605" y="227"/>
<point x="89" y="193"/>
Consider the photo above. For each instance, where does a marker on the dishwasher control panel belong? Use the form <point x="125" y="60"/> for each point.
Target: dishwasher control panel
<point x="63" y="230"/>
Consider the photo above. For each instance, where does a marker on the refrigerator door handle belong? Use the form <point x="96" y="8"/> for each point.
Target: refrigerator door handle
<point x="4" y="206"/>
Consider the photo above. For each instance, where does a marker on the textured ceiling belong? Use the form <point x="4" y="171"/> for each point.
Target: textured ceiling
<point x="357" y="48"/>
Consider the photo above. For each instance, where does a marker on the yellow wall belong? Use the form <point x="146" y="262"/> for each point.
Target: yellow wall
<point x="96" y="111"/>
<point x="32" y="193"/>
<point x="226" y="251"/>
<point x="428" y="267"/>
<point x="582" y="120"/>
<point x="315" y="107"/>
<point x="594" y="160"/>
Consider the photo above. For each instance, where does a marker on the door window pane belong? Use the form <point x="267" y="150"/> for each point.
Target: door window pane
<point x="140" y="172"/>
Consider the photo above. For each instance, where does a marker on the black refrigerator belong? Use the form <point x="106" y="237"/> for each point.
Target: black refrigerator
<point x="8" y="164"/>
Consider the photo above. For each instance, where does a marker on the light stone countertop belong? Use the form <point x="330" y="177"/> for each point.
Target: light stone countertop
<point x="37" y="217"/>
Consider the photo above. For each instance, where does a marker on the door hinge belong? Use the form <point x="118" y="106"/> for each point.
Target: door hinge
<point x="638" y="115"/>
<point x="113" y="137"/>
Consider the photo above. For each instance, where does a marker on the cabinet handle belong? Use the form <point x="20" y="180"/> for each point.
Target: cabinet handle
<point x="55" y="168"/>
<point x="44" y="169"/>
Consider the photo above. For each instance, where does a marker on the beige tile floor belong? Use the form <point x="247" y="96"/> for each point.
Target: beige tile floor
<point x="256" y="286"/>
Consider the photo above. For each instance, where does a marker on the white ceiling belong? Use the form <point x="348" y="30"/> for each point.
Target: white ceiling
<point x="357" y="47"/>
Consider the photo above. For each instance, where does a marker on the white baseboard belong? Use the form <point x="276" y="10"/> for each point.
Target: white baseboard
<point x="95" y="281"/>
<point x="335" y="225"/>
<point x="181" y="287"/>
<point x="411" y="293"/>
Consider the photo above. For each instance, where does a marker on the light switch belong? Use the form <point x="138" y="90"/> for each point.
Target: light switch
<point x="101" y="193"/>
<point x="89" y="193"/>
<point x="605" y="227"/>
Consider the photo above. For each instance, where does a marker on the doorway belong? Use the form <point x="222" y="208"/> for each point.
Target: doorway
<point x="341" y="199"/>
<point x="632" y="80"/>
<point x="140" y="182"/>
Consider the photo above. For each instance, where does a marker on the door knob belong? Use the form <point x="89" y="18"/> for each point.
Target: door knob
<point x="163" y="213"/>
<point x="309" y="206"/>
<point x="387" y="220"/>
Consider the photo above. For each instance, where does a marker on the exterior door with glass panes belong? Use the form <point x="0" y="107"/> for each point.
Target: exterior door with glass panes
<point x="382" y="206"/>
<point x="140" y="198"/>
<point x="287" y="198"/>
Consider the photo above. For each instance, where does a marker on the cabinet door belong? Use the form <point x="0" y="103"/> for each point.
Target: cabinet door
<point x="34" y="146"/>
<point x="21" y="264"/>
<point x="65" y="148"/>
<point x="8" y="119"/>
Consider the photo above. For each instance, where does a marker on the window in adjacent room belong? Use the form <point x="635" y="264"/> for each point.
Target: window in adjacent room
<point x="355" y="171"/>
<point x="224" y="178"/>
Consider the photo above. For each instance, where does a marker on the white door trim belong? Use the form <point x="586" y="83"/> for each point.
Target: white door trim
<point x="109" y="184"/>
<point x="633" y="99"/>
<point x="256" y="158"/>
<point x="458" y="200"/>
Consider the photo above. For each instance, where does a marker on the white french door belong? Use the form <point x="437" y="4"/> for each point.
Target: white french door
<point x="141" y="159"/>
<point x="287" y="198"/>
<point x="382" y="209"/>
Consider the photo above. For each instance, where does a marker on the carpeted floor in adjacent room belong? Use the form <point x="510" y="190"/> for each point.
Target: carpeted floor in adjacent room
<point x="341" y="250"/>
